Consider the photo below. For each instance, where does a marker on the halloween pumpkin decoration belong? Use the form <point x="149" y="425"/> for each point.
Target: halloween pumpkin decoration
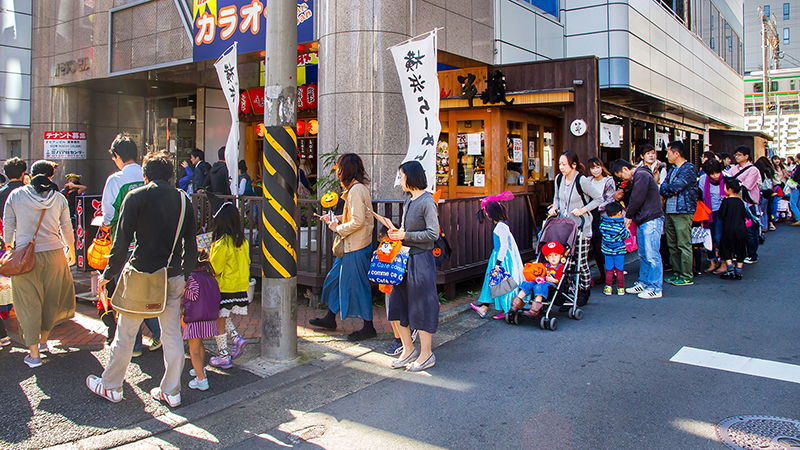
<point x="388" y="250"/>
<point x="99" y="250"/>
<point x="329" y="200"/>
<point x="532" y="271"/>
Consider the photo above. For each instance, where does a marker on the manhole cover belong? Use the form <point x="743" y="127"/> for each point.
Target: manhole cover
<point x="759" y="432"/>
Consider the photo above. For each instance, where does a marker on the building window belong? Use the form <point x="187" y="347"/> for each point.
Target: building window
<point x="791" y="85"/>
<point x="758" y="87"/>
<point x="730" y="44"/>
<point x="774" y="86"/>
<point x="785" y="36"/>
<point x="712" y="43"/>
<point x="766" y="11"/>
<point x="785" y="11"/>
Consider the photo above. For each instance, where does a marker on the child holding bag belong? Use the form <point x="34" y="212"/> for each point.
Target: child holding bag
<point x="200" y="313"/>
<point x="505" y="254"/>
<point x="735" y="218"/>
<point x="230" y="261"/>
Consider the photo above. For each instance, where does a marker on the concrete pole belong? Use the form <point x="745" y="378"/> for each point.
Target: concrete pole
<point x="279" y="166"/>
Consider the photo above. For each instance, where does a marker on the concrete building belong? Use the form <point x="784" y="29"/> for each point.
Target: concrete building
<point x="15" y="78"/>
<point x="787" y="21"/>
<point x="782" y="117"/>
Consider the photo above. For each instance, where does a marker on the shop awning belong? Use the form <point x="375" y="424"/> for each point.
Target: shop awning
<point x="550" y="97"/>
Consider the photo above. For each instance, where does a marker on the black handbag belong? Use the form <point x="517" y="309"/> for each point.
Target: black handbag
<point x="441" y="249"/>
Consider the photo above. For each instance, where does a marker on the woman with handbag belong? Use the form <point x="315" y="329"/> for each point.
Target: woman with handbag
<point x="38" y="215"/>
<point x="414" y="303"/>
<point x="346" y="286"/>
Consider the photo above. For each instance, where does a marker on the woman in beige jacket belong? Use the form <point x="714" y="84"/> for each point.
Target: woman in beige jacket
<point x="346" y="287"/>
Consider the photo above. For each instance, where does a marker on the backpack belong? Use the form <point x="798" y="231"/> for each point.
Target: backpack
<point x="578" y="186"/>
<point x="745" y="191"/>
<point x="248" y="186"/>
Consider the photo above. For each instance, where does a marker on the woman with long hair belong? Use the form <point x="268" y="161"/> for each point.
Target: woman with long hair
<point x="346" y="286"/>
<point x="45" y="295"/>
<point x="603" y="182"/>
<point x="575" y="197"/>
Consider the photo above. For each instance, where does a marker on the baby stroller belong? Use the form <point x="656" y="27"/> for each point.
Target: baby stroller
<point x="566" y="232"/>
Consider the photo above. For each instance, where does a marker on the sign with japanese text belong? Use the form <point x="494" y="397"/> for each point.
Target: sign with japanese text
<point x="219" y="23"/>
<point x="517" y="149"/>
<point x="229" y="80"/>
<point x="609" y="134"/>
<point x="64" y="145"/>
<point x="416" y="67"/>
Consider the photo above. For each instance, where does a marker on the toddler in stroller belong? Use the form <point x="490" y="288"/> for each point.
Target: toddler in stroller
<point x="540" y="286"/>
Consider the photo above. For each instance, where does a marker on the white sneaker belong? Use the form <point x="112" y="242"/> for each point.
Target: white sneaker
<point x="172" y="400"/>
<point x="637" y="288"/>
<point x="95" y="384"/>
<point x="649" y="294"/>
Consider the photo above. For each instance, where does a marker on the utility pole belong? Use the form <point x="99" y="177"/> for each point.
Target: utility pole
<point x="764" y="64"/>
<point x="770" y="42"/>
<point x="278" y="228"/>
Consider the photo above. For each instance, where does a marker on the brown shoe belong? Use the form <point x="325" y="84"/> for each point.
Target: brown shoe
<point x="796" y="223"/>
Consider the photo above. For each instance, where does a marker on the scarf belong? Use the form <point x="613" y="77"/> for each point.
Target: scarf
<point x="707" y="192"/>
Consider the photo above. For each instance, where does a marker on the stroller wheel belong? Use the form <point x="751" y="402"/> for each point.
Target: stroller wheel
<point x="509" y="317"/>
<point x="553" y="324"/>
<point x="570" y="315"/>
<point x="517" y="317"/>
<point x="543" y="323"/>
<point x="578" y="314"/>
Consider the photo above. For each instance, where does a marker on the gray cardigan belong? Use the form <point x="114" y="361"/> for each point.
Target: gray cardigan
<point x="566" y="199"/>
<point x="421" y="223"/>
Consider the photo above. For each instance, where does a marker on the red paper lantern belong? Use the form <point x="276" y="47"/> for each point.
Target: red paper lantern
<point x="301" y="48"/>
<point x="301" y="128"/>
<point x="301" y="98"/>
<point x="311" y="96"/>
<point x="244" y="103"/>
<point x="313" y="127"/>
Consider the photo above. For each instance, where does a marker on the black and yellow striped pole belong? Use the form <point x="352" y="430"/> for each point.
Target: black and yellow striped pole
<point x="278" y="229"/>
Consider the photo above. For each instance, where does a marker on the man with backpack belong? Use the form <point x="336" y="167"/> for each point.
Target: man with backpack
<point x="749" y="175"/>
<point x="680" y="190"/>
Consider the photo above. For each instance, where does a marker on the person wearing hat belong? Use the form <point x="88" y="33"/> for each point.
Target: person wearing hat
<point x="554" y="269"/>
<point x="71" y="191"/>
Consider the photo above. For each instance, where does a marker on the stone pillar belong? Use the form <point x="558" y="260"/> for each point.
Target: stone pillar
<point x="360" y="104"/>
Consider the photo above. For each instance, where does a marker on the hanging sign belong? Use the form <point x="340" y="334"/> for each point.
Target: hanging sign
<point x="257" y="100"/>
<point x="219" y="23"/>
<point x="662" y="140"/>
<point x="517" y="150"/>
<point x="474" y="144"/>
<point x="609" y="135"/>
<point x="419" y="82"/>
<point x="244" y="103"/>
<point x="65" y="145"/>
<point x="229" y="80"/>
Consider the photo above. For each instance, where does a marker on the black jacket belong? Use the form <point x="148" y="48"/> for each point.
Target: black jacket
<point x="217" y="180"/>
<point x="5" y="191"/>
<point x="150" y="215"/>
<point x="199" y="175"/>
<point x="645" y="202"/>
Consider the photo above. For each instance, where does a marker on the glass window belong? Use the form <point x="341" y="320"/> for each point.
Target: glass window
<point x="514" y="153"/>
<point x="785" y="11"/>
<point x="471" y="151"/>
<point x="548" y="153"/>
<point x="712" y="43"/>
<point x="534" y="159"/>
<point x="785" y="36"/>
<point x="443" y="156"/>
<point x="774" y="86"/>
<point x="791" y="85"/>
<point x="766" y="10"/>
<point x="758" y="87"/>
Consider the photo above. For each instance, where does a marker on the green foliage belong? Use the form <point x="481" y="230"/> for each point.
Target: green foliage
<point x="327" y="181"/>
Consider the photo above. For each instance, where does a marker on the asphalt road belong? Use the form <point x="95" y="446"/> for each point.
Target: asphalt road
<point x="602" y="383"/>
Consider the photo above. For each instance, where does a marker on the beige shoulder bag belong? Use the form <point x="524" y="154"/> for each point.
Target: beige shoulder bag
<point x="143" y="295"/>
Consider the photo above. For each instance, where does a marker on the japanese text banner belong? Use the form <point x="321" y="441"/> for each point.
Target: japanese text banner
<point x="229" y="80"/>
<point x="416" y="65"/>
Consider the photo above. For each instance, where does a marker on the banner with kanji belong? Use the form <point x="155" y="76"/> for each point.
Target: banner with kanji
<point x="416" y="66"/>
<point x="65" y="145"/>
<point x="229" y="80"/>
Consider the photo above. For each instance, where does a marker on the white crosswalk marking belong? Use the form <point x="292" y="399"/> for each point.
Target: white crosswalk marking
<point x="738" y="364"/>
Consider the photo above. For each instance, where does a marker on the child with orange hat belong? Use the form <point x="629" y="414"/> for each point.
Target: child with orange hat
<point x="554" y="269"/>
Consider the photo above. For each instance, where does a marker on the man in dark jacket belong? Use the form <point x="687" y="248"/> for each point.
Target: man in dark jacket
<point x="152" y="214"/>
<point x="680" y="189"/>
<point x="15" y="169"/>
<point x="201" y="169"/>
<point x="644" y="210"/>
<point x="218" y="181"/>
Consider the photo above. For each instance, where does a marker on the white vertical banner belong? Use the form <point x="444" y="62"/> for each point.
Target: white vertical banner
<point x="416" y="66"/>
<point x="229" y="80"/>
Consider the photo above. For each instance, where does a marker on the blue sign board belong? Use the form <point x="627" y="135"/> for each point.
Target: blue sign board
<point x="548" y="6"/>
<point x="218" y="23"/>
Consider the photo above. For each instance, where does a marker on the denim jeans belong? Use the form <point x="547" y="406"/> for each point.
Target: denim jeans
<point x="648" y="239"/>
<point x="716" y="236"/>
<point x="794" y="203"/>
<point x="763" y="208"/>
<point x="753" y="234"/>
<point x="155" y="329"/>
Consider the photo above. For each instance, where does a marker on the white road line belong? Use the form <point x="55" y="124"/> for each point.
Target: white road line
<point x="738" y="364"/>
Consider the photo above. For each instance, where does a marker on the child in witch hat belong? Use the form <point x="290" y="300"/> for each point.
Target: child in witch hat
<point x="230" y="260"/>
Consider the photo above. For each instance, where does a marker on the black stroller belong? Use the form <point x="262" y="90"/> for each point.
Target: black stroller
<point x="568" y="233"/>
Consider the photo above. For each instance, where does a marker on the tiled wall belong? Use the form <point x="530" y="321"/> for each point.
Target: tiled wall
<point x="15" y="65"/>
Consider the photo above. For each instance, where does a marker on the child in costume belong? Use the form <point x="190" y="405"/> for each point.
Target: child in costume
<point x="554" y="269"/>
<point x="505" y="254"/>
<point x="230" y="260"/>
<point x="614" y="233"/>
<point x="201" y="310"/>
<point x="734" y="214"/>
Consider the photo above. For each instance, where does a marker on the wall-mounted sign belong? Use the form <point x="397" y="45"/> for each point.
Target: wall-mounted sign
<point x="64" y="145"/>
<point x="217" y="24"/>
<point x="517" y="150"/>
<point x="609" y="135"/>
<point x="72" y="66"/>
<point x="578" y="127"/>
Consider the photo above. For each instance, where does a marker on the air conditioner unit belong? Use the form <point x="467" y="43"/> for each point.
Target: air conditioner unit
<point x="184" y="112"/>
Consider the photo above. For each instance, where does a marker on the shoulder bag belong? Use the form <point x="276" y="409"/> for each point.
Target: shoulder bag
<point x="143" y="295"/>
<point x="17" y="262"/>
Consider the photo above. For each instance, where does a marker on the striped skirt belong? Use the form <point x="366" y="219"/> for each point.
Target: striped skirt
<point x="201" y="330"/>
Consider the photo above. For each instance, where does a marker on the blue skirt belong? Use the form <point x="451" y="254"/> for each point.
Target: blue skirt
<point x="513" y="264"/>
<point x="346" y="286"/>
